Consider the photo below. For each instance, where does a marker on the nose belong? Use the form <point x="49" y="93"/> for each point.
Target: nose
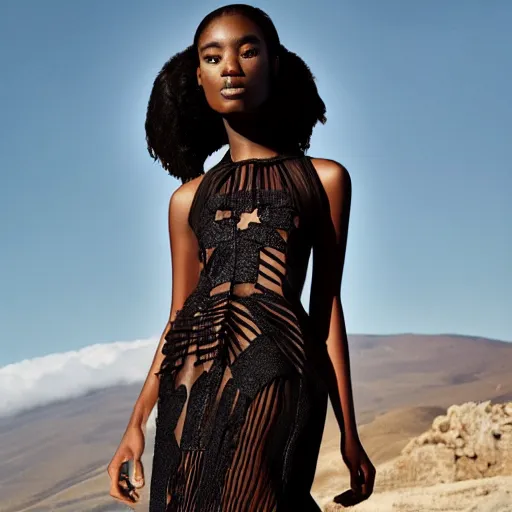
<point x="231" y="65"/>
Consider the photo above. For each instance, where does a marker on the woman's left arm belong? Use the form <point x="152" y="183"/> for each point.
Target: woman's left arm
<point x="325" y="308"/>
<point x="328" y="323"/>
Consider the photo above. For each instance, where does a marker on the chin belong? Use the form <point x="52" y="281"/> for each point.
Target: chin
<point x="238" y="106"/>
<point x="235" y="107"/>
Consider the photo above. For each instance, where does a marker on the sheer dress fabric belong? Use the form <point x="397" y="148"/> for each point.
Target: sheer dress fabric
<point x="241" y="407"/>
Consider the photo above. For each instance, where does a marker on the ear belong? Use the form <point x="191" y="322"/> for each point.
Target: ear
<point x="198" y="74"/>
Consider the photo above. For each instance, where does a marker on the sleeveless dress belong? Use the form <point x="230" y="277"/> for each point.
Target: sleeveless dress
<point x="241" y="406"/>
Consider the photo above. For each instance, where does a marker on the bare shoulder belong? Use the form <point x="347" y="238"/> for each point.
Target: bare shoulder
<point x="181" y="199"/>
<point x="334" y="176"/>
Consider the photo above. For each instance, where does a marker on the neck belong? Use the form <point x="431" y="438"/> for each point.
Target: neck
<point x="248" y="137"/>
<point x="253" y="135"/>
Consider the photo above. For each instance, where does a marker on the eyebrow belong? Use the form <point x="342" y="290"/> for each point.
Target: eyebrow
<point x="248" y="38"/>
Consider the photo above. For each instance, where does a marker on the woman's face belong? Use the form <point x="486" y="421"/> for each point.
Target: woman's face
<point x="233" y="65"/>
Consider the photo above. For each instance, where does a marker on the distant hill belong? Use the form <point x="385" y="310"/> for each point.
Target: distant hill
<point x="55" y="457"/>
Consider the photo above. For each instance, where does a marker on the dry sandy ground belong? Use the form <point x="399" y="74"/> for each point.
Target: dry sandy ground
<point x="54" y="458"/>
<point x="486" y="495"/>
<point x="383" y="439"/>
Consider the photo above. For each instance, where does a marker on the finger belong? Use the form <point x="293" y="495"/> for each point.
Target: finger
<point x="118" y="483"/>
<point x="362" y="481"/>
<point x="367" y="473"/>
<point x="354" y="480"/>
<point x="138" y="474"/>
<point x="120" y="489"/>
<point x="125" y="485"/>
<point x="115" y="493"/>
<point x="132" y="493"/>
<point x="113" y="470"/>
<point x="370" y="479"/>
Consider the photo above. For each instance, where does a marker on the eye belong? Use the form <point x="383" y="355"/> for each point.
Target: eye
<point x="252" y="52"/>
<point x="211" y="57"/>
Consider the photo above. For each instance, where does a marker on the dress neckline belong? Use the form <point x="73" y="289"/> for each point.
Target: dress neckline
<point x="226" y="159"/>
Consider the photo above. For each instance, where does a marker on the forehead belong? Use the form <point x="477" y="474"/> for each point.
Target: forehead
<point x="231" y="30"/>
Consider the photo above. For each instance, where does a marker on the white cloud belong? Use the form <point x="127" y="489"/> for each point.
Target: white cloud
<point x="45" y="379"/>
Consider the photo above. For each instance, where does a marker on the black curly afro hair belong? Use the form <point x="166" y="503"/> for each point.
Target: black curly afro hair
<point x="182" y="130"/>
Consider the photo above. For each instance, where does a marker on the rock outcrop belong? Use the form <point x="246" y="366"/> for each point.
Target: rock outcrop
<point x="471" y="441"/>
<point x="463" y="463"/>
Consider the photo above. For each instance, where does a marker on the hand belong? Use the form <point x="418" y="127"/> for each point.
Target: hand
<point x="362" y="471"/>
<point x="131" y="447"/>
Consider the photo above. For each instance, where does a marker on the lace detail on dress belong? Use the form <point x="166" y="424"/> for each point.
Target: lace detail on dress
<point x="236" y="388"/>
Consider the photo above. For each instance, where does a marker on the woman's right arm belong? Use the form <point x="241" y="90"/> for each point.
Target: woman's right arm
<point x="185" y="276"/>
<point x="186" y="268"/>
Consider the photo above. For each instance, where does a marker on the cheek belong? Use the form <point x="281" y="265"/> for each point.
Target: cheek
<point x="209" y="78"/>
<point x="258" y="73"/>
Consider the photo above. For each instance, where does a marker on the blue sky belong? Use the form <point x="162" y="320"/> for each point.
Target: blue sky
<point x="418" y="108"/>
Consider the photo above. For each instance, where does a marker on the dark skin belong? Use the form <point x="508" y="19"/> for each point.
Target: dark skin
<point x="233" y="48"/>
<point x="236" y="52"/>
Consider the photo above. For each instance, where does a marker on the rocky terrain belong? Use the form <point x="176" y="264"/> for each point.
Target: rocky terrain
<point x="54" y="456"/>
<point x="463" y="462"/>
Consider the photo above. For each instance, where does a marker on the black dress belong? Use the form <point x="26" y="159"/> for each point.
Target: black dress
<point x="241" y="407"/>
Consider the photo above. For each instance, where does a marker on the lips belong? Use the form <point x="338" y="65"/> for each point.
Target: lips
<point x="230" y="92"/>
<point x="233" y="84"/>
<point x="234" y="89"/>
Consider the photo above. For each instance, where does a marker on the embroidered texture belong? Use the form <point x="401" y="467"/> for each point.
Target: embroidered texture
<point x="240" y="411"/>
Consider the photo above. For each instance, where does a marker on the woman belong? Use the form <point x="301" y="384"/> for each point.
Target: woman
<point x="242" y="373"/>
